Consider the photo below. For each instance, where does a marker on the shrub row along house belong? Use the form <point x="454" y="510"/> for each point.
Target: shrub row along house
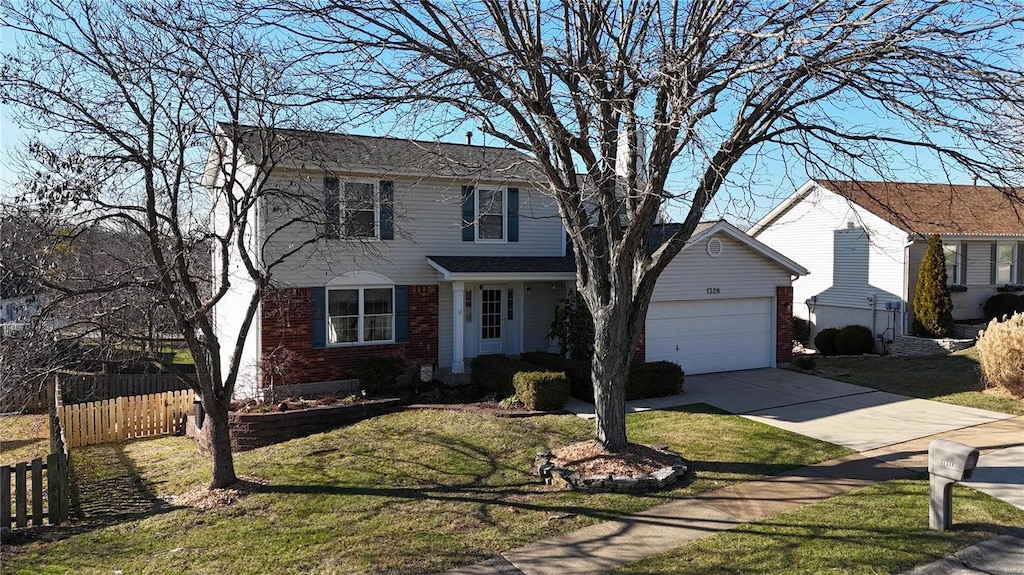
<point x="863" y="243"/>
<point x="436" y="253"/>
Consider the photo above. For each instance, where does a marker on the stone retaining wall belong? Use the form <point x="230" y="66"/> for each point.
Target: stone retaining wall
<point x="906" y="345"/>
<point x="252" y="430"/>
<point x="968" y="330"/>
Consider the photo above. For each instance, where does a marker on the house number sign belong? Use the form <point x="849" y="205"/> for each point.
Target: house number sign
<point x="714" y="291"/>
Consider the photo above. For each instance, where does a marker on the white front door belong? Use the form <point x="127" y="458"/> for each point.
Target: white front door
<point x="492" y="314"/>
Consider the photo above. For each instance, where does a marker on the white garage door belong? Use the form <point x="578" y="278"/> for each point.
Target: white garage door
<point x="708" y="336"/>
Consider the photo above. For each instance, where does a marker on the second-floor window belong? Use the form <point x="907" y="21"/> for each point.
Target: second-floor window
<point x="490" y="214"/>
<point x="358" y="209"/>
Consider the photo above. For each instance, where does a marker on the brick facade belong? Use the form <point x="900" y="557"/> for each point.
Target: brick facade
<point x="783" y="324"/>
<point x="640" y="353"/>
<point x="286" y="342"/>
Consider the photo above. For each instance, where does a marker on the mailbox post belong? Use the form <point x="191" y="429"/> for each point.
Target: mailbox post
<point x="948" y="462"/>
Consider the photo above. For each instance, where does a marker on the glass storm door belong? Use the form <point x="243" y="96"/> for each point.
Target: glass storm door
<point x="492" y="310"/>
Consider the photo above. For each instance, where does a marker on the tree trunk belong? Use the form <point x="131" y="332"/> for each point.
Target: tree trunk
<point x="219" y="434"/>
<point x="614" y="343"/>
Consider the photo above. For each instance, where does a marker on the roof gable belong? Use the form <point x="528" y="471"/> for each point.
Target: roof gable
<point x="924" y="209"/>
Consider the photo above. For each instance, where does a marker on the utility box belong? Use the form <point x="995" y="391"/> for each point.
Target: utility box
<point x="948" y="462"/>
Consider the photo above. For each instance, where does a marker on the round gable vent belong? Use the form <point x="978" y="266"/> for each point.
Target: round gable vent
<point x="714" y="247"/>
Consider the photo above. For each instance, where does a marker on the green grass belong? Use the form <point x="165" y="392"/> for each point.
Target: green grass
<point x="412" y="492"/>
<point x="881" y="529"/>
<point x="23" y="438"/>
<point x="949" y="379"/>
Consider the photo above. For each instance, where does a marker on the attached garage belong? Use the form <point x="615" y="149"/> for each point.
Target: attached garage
<point x="708" y="336"/>
<point x="723" y="304"/>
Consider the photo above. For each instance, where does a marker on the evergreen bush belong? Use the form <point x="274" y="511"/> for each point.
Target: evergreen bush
<point x="541" y="390"/>
<point x="377" y="375"/>
<point x="801" y="329"/>
<point x="825" y="341"/>
<point x="1002" y="305"/>
<point x="933" y="306"/>
<point x="573" y="327"/>
<point x="854" y="340"/>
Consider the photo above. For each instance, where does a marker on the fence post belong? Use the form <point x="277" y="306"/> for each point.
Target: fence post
<point x="5" y="496"/>
<point x="20" y="495"/>
<point x="37" y="491"/>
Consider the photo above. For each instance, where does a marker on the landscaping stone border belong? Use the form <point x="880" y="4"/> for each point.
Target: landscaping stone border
<point x="906" y="345"/>
<point x="566" y="479"/>
<point x="252" y="430"/>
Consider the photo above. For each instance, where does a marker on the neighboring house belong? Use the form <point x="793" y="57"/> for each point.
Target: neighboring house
<point x="18" y="303"/>
<point x="863" y="243"/>
<point x="437" y="253"/>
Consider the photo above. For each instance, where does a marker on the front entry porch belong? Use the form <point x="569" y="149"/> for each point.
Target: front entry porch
<point x="497" y="312"/>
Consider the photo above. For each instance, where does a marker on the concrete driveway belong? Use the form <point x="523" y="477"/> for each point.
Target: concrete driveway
<point x="853" y="416"/>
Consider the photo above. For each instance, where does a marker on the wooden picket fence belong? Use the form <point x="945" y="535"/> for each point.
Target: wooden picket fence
<point x="40" y="486"/>
<point x="81" y="388"/>
<point x="125" y="417"/>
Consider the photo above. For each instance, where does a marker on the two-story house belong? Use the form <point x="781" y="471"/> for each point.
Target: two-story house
<point x="435" y="253"/>
<point x="863" y="243"/>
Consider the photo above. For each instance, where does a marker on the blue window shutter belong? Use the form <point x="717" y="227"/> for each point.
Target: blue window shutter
<point x="513" y="214"/>
<point x="332" y="208"/>
<point x="468" y="214"/>
<point x="387" y="210"/>
<point x="401" y="313"/>
<point x="318" y="315"/>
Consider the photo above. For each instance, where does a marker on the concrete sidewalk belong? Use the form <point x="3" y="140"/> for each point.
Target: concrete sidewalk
<point x="890" y="432"/>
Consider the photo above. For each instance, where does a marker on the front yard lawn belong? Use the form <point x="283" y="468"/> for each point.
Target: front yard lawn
<point x="881" y="529"/>
<point x="948" y="378"/>
<point x="412" y="492"/>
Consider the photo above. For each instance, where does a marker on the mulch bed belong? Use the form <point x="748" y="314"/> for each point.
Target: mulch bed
<point x="587" y="458"/>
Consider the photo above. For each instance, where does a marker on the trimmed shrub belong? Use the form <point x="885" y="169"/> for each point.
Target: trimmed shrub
<point x="825" y="341"/>
<point x="1003" y="305"/>
<point x="377" y="375"/>
<point x="578" y="372"/>
<point x="1001" y="354"/>
<point x="805" y="362"/>
<point x="655" y="379"/>
<point x="495" y="373"/>
<point x="854" y="340"/>
<point x="801" y="329"/>
<point x="541" y="390"/>
<point x="933" y="306"/>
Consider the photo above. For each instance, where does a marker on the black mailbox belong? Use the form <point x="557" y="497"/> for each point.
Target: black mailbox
<point x="951" y="460"/>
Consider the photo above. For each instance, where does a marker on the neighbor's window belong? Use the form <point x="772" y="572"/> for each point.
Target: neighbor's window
<point x="952" y="254"/>
<point x="360" y="315"/>
<point x="490" y="214"/>
<point x="1006" y="260"/>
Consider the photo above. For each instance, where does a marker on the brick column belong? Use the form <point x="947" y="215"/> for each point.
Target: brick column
<point x="783" y="324"/>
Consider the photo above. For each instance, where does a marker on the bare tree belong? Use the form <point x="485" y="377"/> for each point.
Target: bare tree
<point x="128" y="99"/>
<point x="616" y="100"/>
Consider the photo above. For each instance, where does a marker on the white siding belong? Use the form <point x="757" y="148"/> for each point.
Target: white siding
<point x="229" y="312"/>
<point x="427" y="222"/>
<point x="852" y="255"/>
<point x="738" y="272"/>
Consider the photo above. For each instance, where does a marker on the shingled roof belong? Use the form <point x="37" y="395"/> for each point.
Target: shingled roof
<point x="938" y="208"/>
<point x="385" y="156"/>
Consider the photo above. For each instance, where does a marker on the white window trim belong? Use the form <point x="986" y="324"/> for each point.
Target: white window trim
<point x="359" y="323"/>
<point x="504" y="216"/>
<point x="957" y="262"/>
<point x="342" y="210"/>
<point x="1013" y="263"/>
